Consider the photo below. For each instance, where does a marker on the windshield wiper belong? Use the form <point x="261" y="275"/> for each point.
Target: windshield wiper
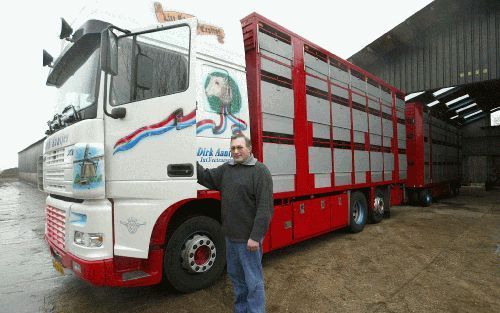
<point x="71" y="117"/>
<point x="62" y="120"/>
<point x="55" y="124"/>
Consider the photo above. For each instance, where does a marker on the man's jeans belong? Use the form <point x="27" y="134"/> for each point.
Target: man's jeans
<point x="245" y="271"/>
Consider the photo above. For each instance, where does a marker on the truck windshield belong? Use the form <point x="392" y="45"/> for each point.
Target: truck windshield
<point x="80" y="88"/>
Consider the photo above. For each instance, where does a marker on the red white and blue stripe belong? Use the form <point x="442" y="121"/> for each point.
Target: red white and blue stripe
<point x="239" y="125"/>
<point x="176" y="120"/>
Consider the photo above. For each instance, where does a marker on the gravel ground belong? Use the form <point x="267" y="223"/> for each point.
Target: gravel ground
<point x="444" y="258"/>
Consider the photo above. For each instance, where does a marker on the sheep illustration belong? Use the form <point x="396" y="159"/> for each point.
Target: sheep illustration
<point x="224" y="99"/>
<point x="222" y="93"/>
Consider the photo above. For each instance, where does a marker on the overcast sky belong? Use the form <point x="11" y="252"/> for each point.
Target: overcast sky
<point x="342" y="27"/>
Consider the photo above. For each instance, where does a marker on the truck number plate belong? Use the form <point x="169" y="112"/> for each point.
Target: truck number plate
<point x="58" y="266"/>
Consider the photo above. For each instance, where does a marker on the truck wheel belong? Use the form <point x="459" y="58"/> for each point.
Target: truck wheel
<point x="379" y="204"/>
<point x="195" y="255"/>
<point x="425" y="197"/>
<point x="455" y="190"/>
<point x="414" y="197"/>
<point x="359" y="212"/>
<point x="387" y="203"/>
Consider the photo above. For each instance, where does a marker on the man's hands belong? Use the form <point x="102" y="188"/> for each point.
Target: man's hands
<point x="253" y="245"/>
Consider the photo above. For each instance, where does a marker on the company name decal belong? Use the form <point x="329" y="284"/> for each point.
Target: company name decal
<point x="209" y="155"/>
<point x="203" y="29"/>
<point x="177" y="120"/>
<point x="210" y="152"/>
<point x="56" y="141"/>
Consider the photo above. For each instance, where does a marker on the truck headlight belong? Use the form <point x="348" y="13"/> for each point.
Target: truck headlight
<point x="88" y="239"/>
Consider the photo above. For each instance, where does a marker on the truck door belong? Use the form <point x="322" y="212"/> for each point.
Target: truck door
<point x="151" y="151"/>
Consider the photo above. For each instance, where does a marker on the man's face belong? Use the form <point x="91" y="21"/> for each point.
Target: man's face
<point x="239" y="150"/>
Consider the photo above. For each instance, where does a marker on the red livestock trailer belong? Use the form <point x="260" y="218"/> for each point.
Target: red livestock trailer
<point x="434" y="153"/>
<point x="333" y="135"/>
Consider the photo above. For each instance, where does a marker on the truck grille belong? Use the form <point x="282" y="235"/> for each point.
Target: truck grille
<point x="56" y="221"/>
<point x="57" y="174"/>
<point x="55" y="168"/>
<point x="55" y="180"/>
<point x="55" y="157"/>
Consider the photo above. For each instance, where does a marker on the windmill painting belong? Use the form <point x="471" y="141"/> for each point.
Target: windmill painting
<point x="88" y="170"/>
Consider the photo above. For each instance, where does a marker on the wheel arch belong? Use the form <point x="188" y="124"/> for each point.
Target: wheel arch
<point x="383" y="191"/>
<point x="371" y="192"/>
<point x="177" y="213"/>
<point x="368" y="193"/>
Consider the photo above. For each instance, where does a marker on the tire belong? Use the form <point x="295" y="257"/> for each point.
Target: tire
<point x="387" y="202"/>
<point x="379" y="207"/>
<point x="455" y="190"/>
<point x="358" y="212"/>
<point x="195" y="256"/>
<point x="425" y="197"/>
<point x="414" y="197"/>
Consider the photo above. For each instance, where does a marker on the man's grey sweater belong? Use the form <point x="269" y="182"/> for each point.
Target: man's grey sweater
<point x="247" y="197"/>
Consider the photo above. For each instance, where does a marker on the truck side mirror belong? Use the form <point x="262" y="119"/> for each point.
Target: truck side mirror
<point x="47" y="59"/>
<point x="66" y="30"/>
<point x="109" y="52"/>
<point x="144" y="72"/>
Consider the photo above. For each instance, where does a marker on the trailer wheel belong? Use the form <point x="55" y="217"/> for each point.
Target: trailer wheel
<point x="195" y="255"/>
<point x="425" y="197"/>
<point x="359" y="212"/>
<point x="414" y="197"/>
<point x="379" y="207"/>
<point x="387" y="203"/>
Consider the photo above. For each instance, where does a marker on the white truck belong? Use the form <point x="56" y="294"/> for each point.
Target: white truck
<point x="137" y="109"/>
<point x="120" y="156"/>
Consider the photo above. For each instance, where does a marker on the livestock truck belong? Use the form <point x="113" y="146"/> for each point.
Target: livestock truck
<point x="434" y="154"/>
<point x="137" y="109"/>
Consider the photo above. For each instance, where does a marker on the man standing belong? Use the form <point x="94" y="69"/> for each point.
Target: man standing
<point x="246" y="191"/>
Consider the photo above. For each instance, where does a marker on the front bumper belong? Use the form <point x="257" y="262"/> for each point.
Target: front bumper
<point x="117" y="271"/>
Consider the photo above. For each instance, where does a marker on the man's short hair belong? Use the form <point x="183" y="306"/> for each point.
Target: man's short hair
<point x="241" y="135"/>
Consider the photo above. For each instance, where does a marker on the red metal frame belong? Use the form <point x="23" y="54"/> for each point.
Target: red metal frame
<point x="415" y="144"/>
<point x="304" y="180"/>
<point x="415" y="124"/>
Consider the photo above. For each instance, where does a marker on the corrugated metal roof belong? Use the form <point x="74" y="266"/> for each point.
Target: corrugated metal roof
<point x="33" y="144"/>
<point x="448" y="43"/>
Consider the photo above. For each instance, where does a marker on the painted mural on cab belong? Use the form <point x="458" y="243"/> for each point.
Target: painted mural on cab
<point x="88" y="169"/>
<point x="223" y="98"/>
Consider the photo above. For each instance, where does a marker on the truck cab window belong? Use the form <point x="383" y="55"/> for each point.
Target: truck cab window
<point x="151" y="65"/>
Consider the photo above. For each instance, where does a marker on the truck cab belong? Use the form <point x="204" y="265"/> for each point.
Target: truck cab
<point x="135" y="111"/>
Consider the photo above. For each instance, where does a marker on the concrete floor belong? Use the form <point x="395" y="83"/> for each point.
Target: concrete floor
<point x="445" y="258"/>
